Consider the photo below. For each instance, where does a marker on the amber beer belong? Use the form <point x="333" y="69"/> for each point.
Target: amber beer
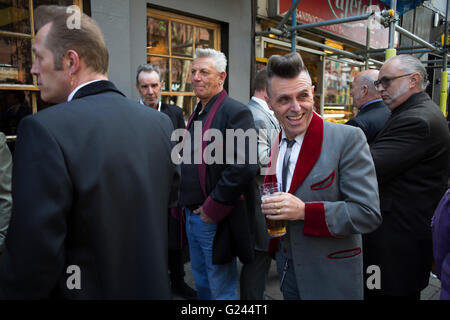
<point x="275" y="228"/>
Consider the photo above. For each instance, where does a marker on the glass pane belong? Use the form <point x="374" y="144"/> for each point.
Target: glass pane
<point x="15" y="60"/>
<point x="181" y="39"/>
<point x="14" y="105"/>
<point x="163" y="65"/>
<point x="14" y="16"/>
<point x="187" y="103"/>
<point x="204" y="38"/>
<point x="157" y="36"/>
<point x="181" y="75"/>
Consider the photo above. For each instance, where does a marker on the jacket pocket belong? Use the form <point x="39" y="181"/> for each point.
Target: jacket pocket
<point x="325" y="183"/>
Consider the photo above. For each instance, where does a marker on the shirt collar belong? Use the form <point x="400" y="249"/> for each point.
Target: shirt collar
<point x="297" y="139"/>
<point x="370" y="102"/>
<point x="263" y="104"/>
<point x="159" y="104"/>
<point x="78" y="88"/>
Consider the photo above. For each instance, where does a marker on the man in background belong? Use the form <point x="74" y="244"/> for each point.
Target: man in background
<point x="149" y="84"/>
<point x="373" y="113"/>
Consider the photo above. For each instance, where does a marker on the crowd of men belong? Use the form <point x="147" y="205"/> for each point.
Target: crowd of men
<point x="103" y="212"/>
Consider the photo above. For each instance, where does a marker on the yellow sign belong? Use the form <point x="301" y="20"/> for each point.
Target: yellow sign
<point x="443" y="37"/>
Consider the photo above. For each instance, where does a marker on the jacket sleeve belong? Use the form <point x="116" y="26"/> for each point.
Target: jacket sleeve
<point x="404" y="144"/>
<point x="5" y="189"/>
<point x="42" y="194"/>
<point x="357" y="210"/>
<point x="238" y="172"/>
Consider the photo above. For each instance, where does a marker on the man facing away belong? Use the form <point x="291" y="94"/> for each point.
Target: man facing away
<point x="330" y="191"/>
<point x="373" y="113"/>
<point x="149" y="84"/>
<point x="92" y="176"/>
<point x="411" y="156"/>
<point x="254" y="274"/>
<point x="217" y="193"/>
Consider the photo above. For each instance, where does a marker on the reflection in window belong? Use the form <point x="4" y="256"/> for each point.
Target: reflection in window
<point x="157" y="36"/>
<point x="14" y="105"/>
<point x="181" y="39"/>
<point x="163" y="65"/>
<point x="204" y="38"/>
<point x="14" y="16"/>
<point x="187" y="103"/>
<point x="181" y="75"/>
<point x="15" y="60"/>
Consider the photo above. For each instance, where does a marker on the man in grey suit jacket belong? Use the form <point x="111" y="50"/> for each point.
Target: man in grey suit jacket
<point x="331" y="194"/>
<point x="254" y="274"/>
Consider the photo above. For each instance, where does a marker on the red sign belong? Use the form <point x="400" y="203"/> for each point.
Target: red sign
<point x="309" y="11"/>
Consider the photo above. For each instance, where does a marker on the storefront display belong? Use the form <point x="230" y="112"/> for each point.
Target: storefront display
<point x="338" y="76"/>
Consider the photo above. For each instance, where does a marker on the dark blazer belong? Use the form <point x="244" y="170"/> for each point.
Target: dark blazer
<point x="92" y="182"/>
<point x="411" y="155"/>
<point x="229" y="188"/>
<point x="176" y="224"/>
<point x="371" y="119"/>
<point x="175" y="114"/>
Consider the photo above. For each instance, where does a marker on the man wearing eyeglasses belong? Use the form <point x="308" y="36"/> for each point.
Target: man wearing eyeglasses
<point x="411" y="155"/>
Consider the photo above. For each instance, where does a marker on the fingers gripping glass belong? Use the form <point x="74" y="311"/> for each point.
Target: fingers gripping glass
<point x="386" y="82"/>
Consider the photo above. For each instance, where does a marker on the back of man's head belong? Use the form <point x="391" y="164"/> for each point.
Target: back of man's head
<point x="365" y="80"/>
<point x="260" y="82"/>
<point x="85" y="38"/>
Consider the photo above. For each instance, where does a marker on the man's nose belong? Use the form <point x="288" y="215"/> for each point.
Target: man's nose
<point x="34" y="69"/>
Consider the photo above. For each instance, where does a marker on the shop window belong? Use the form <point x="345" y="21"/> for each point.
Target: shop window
<point x="19" y="94"/>
<point x="337" y="80"/>
<point x="171" y="43"/>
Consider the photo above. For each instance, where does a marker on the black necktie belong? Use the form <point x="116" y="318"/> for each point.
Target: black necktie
<point x="285" y="169"/>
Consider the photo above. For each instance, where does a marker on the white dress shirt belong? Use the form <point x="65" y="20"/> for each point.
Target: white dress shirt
<point x="78" y="88"/>
<point x="292" y="160"/>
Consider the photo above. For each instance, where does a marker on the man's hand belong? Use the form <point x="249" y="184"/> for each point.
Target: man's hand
<point x="283" y="206"/>
<point x="203" y="216"/>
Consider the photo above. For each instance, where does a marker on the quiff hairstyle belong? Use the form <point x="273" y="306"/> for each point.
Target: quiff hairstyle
<point x="288" y="66"/>
<point x="87" y="40"/>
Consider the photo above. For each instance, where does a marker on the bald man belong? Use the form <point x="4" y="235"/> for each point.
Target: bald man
<point x="373" y="113"/>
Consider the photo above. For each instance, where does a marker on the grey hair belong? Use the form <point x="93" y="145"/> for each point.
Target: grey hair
<point x="409" y="63"/>
<point x="219" y="59"/>
<point x="367" y="78"/>
<point x="147" y="68"/>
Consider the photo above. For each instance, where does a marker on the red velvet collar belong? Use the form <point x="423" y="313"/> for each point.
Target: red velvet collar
<point x="309" y="153"/>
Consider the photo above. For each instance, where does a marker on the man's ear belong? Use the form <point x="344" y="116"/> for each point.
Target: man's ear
<point x="266" y="97"/>
<point x="415" y="80"/>
<point x="71" y="61"/>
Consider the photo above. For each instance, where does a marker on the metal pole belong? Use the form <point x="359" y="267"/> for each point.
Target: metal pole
<point x="294" y="24"/>
<point x="329" y="22"/>
<point x="367" y="47"/>
<point x="288" y="14"/>
<point x="390" y="52"/>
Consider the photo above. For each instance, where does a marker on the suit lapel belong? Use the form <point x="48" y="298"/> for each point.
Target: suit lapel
<point x="96" y="88"/>
<point x="309" y="153"/>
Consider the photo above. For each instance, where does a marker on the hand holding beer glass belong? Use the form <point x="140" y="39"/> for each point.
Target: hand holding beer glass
<point x="275" y="228"/>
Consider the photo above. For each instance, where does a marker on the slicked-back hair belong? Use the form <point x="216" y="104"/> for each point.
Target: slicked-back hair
<point x="87" y="40"/>
<point x="147" y="68"/>
<point x="219" y="59"/>
<point x="288" y="66"/>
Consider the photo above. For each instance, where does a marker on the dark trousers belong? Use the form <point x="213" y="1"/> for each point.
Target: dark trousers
<point x="254" y="275"/>
<point x="176" y="265"/>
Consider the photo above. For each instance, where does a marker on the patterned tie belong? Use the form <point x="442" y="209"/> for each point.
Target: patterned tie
<point x="285" y="169"/>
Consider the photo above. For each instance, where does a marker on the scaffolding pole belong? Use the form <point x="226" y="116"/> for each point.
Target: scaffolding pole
<point x="444" y="73"/>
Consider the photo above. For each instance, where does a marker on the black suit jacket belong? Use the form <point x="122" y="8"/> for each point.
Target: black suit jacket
<point x="175" y="114"/>
<point x="411" y="155"/>
<point x="229" y="187"/>
<point x="371" y="119"/>
<point x="92" y="183"/>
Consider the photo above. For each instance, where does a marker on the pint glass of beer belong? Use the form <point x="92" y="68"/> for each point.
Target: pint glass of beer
<point x="275" y="228"/>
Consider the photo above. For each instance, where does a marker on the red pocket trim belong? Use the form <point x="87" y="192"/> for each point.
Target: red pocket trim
<point x="319" y="185"/>
<point x="351" y="253"/>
